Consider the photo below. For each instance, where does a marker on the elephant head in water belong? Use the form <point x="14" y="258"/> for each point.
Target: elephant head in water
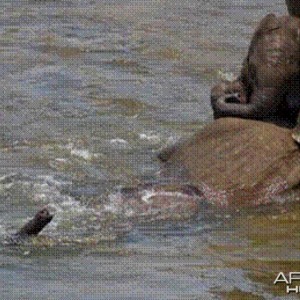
<point x="269" y="85"/>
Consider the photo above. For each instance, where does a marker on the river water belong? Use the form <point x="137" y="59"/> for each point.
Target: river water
<point x="90" y="92"/>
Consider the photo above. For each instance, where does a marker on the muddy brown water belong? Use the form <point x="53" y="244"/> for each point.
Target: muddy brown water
<point x="91" y="91"/>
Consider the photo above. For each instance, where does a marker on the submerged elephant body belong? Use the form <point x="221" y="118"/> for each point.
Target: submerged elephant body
<point x="236" y="162"/>
<point x="269" y="85"/>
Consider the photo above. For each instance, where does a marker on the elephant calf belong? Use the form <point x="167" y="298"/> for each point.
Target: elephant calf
<point x="268" y="87"/>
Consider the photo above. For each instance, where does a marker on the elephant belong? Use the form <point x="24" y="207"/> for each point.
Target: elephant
<point x="268" y="87"/>
<point x="293" y="7"/>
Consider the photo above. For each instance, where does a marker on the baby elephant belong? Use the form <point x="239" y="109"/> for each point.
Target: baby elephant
<point x="268" y="87"/>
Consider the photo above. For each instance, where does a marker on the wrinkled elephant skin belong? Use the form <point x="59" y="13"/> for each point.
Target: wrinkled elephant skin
<point x="269" y="85"/>
<point x="236" y="162"/>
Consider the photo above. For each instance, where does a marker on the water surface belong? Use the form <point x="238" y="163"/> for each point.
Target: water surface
<point x="91" y="91"/>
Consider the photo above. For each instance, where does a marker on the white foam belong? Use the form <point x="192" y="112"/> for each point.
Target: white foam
<point x="150" y="137"/>
<point x="82" y="153"/>
<point x="115" y="203"/>
<point x="118" y="141"/>
<point x="2" y="229"/>
<point x="226" y="76"/>
<point x="147" y="195"/>
<point x="65" y="207"/>
<point x="61" y="160"/>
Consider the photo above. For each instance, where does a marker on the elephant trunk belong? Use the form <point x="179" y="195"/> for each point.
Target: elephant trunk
<point x="262" y="104"/>
<point x="34" y="226"/>
<point x="222" y="108"/>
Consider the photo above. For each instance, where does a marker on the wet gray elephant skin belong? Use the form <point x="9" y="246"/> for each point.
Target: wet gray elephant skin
<point x="34" y="226"/>
<point x="268" y="87"/>
<point x="236" y="162"/>
<point x="293" y="7"/>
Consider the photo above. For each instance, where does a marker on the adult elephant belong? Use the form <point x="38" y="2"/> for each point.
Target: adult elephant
<point x="268" y="87"/>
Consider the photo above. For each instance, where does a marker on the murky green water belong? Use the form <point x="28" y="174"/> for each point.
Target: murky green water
<point x="91" y="91"/>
